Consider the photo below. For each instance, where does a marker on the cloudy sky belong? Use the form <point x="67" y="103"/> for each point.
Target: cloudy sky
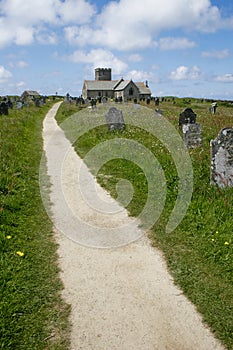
<point x="181" y="47"/>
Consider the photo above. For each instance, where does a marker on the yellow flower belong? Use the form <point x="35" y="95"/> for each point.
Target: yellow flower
<point x="213" y="239"/>
<point x="20" y="253"/>
<point x="226" y="243"/>
<point x="8" y="237"/>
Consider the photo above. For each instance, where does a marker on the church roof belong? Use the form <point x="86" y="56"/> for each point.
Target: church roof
<point x="100" y="84"/>
<point x="143" y="89"/>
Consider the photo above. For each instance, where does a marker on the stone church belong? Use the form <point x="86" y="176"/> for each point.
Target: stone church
<point x="104" y="86"/>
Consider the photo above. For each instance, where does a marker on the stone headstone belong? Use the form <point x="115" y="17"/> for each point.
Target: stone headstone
<point x="213" y="107"/>
<point x="114" y="119"/>
<point x="221" y="172"/>
<point x="3" y="108"/>
<point x="37" y="102"/>
<point x="104" y="100"/>
<point x="158" y="111"/>
<point x="187" y="117"/>
<point x="19" y="105"/>
<point x="192" y="135"/>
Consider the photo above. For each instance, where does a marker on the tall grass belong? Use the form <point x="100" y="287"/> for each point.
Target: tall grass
<point x="32" y="313"/>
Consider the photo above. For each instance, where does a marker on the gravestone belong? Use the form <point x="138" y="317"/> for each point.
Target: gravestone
<point x="157" y="101"/>
<point x="221" y="170"/>
<point x="114" y="119"/>
<point x="3" y="108"/>
<point x="19" y="105"/>
<point x="187" y="117"/>
<point x="213" y="107"/>
<point x="158" y="111"/>
<point x="192" y="134"/>
<point x="37" y="102"/>
<point x="137" y="106"/>
<point x="104" y="100"/>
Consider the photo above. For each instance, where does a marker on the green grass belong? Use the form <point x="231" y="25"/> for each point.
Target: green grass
<point x="199" y="253"/>
<point x="32" y="312"/>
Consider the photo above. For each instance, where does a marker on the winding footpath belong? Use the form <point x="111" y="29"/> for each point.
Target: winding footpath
<point x="121" y="298"/>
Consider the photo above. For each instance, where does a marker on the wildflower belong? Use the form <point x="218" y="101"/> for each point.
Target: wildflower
<point x="216" y="232"/>
<point x="226" y="243"/>
<point x="213" y="239"/>
<point x="8" y="237"/>
<point x="19" y="253"/>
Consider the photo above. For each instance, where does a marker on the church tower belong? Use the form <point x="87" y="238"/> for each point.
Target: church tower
<point x="103" y="74"/>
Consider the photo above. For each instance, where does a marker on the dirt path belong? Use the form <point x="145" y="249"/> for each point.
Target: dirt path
<point x="121" y="298"/>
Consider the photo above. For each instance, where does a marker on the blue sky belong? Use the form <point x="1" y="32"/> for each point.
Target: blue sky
<point x="181" y="47"/>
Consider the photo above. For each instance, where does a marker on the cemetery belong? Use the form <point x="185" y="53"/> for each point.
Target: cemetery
<point x="198" y="252"/>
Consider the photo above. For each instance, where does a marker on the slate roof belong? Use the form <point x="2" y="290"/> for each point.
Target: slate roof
<point x="143" y="89"/>
<point x="31" y="93"/>
<point x="123" y="85"/>
<point x="100" y="84"/>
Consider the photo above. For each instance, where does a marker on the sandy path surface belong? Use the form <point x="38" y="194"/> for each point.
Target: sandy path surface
<point x="122" y="298"/>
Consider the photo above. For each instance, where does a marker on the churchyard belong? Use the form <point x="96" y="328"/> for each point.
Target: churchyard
<point x="199" y="252"/>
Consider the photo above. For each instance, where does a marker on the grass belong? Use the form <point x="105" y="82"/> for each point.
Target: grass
<point x="199" y="253"/>
<point x="33" y="314"/>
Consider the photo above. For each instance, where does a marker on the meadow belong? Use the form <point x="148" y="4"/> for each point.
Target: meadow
<point x="199" y="252"/>
<point x="32" y="312"/>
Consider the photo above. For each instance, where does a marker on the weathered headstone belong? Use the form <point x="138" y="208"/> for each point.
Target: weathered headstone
<point x="158" y="111"/>
<point x="3" y="108"/>
<point x="213" y="107"/>
<point x="104" y="100"/>
<point x="192" y="135"/>
<point x="114" y="119"/>
<point x="221" y="171"/>
<point x="19" y="105"/>
<point x="187" y="117"/>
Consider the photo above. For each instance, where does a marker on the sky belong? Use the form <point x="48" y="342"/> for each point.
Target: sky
<point x="183" y="48"/>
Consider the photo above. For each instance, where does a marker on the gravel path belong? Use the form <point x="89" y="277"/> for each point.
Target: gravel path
<point x="121" y="298"/>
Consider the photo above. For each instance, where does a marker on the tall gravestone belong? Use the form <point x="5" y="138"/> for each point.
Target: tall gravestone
<point x="221" y="172"/>
<point x="114" y="119"/>
<point x="187" y="117"/>
<point x="192" y="134"/>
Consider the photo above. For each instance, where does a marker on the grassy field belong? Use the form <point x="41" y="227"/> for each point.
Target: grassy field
<point x="32" y="313"/>
<point x="199" y="252"/>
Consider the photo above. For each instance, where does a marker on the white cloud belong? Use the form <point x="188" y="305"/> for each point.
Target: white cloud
<point x="99" y="58"/>
<point x="5" y="75"/>
<point x="135" y="58"/>
<point x="133" y="24"/>
<point x="20" y="84"/>
<point x="226" y="78"/>
<point x="19" y="64"/>
<point x="216" y="54"/>
<point x="47" y="38"/>
<point x="20" y="20"/>
<point x="170" y="43"/>
<point x="186" y="73"/>
<point x="137" y="75"/>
